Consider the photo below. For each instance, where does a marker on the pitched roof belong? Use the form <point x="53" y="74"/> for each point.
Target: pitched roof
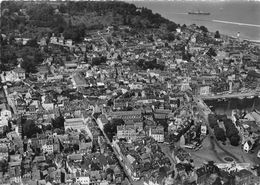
<point x="19" y="70"/>
<point x="243" y="173"/>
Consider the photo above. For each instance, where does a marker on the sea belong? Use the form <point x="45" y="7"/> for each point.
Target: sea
<point x="228" y="17"/>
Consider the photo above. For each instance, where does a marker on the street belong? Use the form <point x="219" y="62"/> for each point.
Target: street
<point x="116" y="153"/>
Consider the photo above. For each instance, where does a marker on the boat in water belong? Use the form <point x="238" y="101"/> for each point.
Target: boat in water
<point x="198" y="13"/>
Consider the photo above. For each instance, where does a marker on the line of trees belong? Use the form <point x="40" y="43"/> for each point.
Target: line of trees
<point x="149" y="64"/>
<point x="231" y="131"/>
<point x="111" y="128"/>
<point x="219" y="132"/>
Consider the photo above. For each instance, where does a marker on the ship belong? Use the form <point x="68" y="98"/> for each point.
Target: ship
<point x="199" y="13"/>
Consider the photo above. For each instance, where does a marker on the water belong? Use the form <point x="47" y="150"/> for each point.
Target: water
<point x="226" y="107"/>
<point x="227" y="17"/>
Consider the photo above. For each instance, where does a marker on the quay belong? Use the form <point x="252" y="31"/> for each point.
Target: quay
<point x="231" y="95"/>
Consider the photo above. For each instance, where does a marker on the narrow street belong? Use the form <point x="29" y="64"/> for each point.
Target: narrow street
<point x="170" y="155"/>
<point x="9" y="101"/>
<point x="116" y="153"/>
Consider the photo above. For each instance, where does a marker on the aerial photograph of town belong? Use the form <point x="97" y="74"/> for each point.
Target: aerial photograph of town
<point x="130" y="92"/>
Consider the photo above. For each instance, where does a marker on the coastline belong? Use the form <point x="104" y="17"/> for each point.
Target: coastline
<point x="228" y="18"/>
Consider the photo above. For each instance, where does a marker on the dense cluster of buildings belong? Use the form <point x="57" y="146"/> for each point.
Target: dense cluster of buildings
<point x="101" y="116"/>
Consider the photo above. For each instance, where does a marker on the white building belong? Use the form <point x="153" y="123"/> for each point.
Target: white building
<point x="83" y="180"/>
<point x="47" y="105"/>
<point x="6" y="114"/>
<point x="205" y="90"/>
<point x="157" y="133"/>
<point x="47" y="148"/>
<point x="16" y="74"/>
<point x="75" y="123"/>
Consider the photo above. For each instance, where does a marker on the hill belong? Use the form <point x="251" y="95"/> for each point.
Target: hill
<point x="38" y="18"/>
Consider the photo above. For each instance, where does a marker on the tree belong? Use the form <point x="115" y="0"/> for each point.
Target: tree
<point x="204" y="29"/>
<point x="109" y="40"/>
<point x="212" y="120"/>
<point x="150" y="38"/>
<point x="58" y="122"/>
<point x="119" y="57"/>
<point x="230" y="128"/>
<point x="29" y="66"/>
<point x="29" y="128"/>
<point x="162" y="172"/>
<point x="38" y="57"/>
<point x="217" y="35"/>
<point x="170" y="37"/>
<point x="99" y="60"/>
<point x="172" y="27"/>
<point x="111" y="128"/>
<point x="3" y="166"/>
<point x="217" y="181"/>
<point x="211" y="52"/>
<point x="184" y="26"/>
<point x="118" y="122"/>
<point x="220" y="133"/>
<point x="76" y="33"/>
<point x="234" y="140"/>
<point x="76" y="147"/>
<point x="47" y="127"/>
<point x="32" y="43"/>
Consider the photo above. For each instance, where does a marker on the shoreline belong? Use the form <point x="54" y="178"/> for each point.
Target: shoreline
<point x="227" y="25"/>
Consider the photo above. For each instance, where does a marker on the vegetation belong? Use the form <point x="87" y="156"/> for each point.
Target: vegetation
<point x="211" y="52"/>
<point x="58" y="122"/>
<point x="111" y="128"/>
<point x="30" y="53"/>
<point x="99" y="60"/>
<point x="212" y="120"/>
<point x="217" y="35"/>
<point x="169" y="37"/>
<point x="29" y="128"/>
<point x="220" y="134"/>
<point x="203" y="29"/>
<point x="149" y="64"/>
<point x="75" y="18"/>
<point x="232" y="132"/>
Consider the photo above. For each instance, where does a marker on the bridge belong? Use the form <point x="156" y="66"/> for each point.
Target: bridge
<point x="231" y="95"/>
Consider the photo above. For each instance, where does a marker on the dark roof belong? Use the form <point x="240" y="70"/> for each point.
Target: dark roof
<point x="254" y="74"/>
<point x="243" y="173"/>
<point x="19" y="70"/>
<point x="201" y="171"/>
